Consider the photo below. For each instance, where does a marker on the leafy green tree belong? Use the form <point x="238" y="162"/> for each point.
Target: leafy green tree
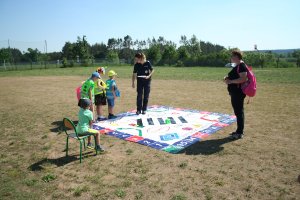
<point x="32" y="55"/>
<point x="16" y="55"/>
<point x="99" y="51"/>
<point x="68" y="51"/>
<point x="183" y="53"/>
<point x="296" y="54"/>
<point x="5" y="55"/>
<point x="112" y="43"/>
<point x="169" y="55"/>
<point x="127" y="43"/>
<point x="53" y="56"/>
<point x="184" y="41"/>
<point x="113" y="57"/>
<point x="154" y="54"/>
<point x="194" y="46"/>
<point x="127" y="53"/>
<point x="80" y="49"/>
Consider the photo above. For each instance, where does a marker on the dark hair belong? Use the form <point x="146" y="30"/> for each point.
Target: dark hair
<point x="138" y="55"/>
<point x="237" y="54"/>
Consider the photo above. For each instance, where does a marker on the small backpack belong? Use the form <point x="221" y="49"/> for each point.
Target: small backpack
<point x="249" y="87"/>
<point x="109" y="84"/>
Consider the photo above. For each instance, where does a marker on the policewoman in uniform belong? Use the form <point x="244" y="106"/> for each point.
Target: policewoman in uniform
<point x="142" y="71"/>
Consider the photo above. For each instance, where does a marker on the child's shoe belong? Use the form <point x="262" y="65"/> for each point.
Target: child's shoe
<point x="99" y="148"/>
<point x="90" y="146"/>
<point x="101" y="118"/>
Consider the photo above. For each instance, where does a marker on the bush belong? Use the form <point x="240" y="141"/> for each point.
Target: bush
<point x="65" y="62"/>
<point x="179" y="63"/>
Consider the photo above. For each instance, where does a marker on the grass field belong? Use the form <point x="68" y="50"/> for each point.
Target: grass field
<point x="264" y="165"/>
<point x="265" y="75"/>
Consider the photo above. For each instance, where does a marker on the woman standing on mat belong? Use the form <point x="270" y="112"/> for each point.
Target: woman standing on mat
<point x="235" y="78"/>
<point x="142" y="71"/>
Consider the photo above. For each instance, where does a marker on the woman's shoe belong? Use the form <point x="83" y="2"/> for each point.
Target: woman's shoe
<point x="236" y="136"/>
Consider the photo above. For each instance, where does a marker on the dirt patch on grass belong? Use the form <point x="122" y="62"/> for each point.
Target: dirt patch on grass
<point x="264" y="165"/>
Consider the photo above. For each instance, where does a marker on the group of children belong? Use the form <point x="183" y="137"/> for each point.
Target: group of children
<point x="95" y="91"/>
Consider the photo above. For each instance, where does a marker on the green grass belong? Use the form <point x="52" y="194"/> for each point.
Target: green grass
<point x="120" y="193"/>
<point x="79" y="190"/>
<point x="48" y="177"/>
<point x="267" y="75"/>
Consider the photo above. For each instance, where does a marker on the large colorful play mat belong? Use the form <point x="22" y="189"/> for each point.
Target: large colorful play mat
<point x="165" y="128"/>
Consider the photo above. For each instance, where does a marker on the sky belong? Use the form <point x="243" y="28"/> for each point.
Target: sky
<point x="271" y="24"/>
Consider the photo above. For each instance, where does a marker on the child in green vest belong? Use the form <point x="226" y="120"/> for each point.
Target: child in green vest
<point x="85" y="123"/>
<point x="112" y="93"/>
<point x="100" y="95"/>
<point x="87" y="89"/>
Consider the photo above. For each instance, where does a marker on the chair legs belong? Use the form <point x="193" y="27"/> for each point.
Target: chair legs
<point x="82" y="143"/>
<point x="67" y="146"/>
<point x="84" y="146"/>
<point x="80" y="154"/>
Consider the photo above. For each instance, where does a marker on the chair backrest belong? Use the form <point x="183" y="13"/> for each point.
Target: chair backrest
<point x="69" y="125"/>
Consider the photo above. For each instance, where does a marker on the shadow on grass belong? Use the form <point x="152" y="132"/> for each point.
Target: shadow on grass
<point x="38" y="166"/>
<point x="206" y="147"/>
<point x="58" y="126"/>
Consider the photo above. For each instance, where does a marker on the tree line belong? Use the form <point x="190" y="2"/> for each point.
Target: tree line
<point x="190" y="52"/>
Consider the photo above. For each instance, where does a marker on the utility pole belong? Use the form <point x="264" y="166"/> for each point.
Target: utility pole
<point x="260" y="60"/>
<point x="45" y="54"/>
<point x="11" y="58"/>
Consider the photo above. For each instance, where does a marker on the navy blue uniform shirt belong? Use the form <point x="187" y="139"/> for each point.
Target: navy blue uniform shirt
<point x="143" y="69"/>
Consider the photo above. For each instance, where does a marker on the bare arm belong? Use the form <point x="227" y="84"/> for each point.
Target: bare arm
<point x="91" y="95"/>
<point x="151" y="73"/>
<point x="134" y="75"/>
<point x="91" y="98"/>
<point x="242" y="79"/>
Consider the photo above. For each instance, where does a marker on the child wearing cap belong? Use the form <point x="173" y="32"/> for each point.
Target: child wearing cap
<point x="85" y="122"/>
<point x="112" y="93"/>
<point x="87" y="89"/>
<point x="100" y="95"/>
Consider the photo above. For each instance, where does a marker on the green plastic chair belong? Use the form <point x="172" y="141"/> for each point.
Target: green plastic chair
<point x="70" y="130"/>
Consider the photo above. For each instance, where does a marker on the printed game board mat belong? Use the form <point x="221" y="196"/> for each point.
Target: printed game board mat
<point x="165" y="128"/>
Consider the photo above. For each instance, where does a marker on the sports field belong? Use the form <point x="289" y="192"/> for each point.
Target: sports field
<point x="263" y="165"/>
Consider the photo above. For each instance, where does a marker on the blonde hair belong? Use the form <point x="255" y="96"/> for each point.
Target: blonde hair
<point x="140" y="56"/>
<point x="143" y="57"/>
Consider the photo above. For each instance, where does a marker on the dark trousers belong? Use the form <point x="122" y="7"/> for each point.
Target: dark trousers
<point x="143" y="88"/>
<point x="237" y="102"/>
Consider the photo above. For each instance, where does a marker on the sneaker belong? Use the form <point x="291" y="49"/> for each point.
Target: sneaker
<point x="99" y="119"/>
<point x="99" y="148"/>
<point x="232" y="133"/>
<point x="143" y="112"/>
<point x="236" y="136"/>
<point x="138" y="112"/>
<point x="90" y="146"/>
<point x="112" y="117"/>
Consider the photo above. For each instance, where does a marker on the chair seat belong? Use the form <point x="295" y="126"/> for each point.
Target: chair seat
<point x="73" y="135"/>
